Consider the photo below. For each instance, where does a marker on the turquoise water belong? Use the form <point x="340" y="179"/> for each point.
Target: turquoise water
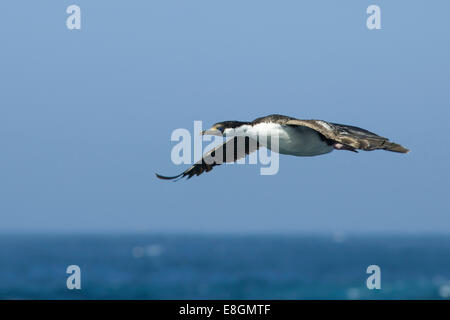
<point x="224" y="267"/>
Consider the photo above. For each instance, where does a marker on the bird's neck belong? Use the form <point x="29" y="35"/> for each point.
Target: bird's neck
<point x="239" y="131"/>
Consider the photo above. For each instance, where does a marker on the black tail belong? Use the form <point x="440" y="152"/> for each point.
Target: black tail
<point x="394" y="147"/>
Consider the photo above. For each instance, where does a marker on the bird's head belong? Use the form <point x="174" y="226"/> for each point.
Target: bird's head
<point x="225" y="128"/>
<point x="216" y="130"/>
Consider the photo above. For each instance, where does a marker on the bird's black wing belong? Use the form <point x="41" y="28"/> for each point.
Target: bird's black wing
<point x="232" y="150"/>
<point x="349" y="136"/>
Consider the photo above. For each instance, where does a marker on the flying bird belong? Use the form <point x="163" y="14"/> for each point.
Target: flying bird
<point x="301" y="138"/>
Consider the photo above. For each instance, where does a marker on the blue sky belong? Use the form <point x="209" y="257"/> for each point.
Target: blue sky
<point x="86" y="115"/>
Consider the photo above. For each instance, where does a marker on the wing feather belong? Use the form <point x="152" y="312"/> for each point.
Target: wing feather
<point x="349" y="136"/>
<point x="232" y="150"/>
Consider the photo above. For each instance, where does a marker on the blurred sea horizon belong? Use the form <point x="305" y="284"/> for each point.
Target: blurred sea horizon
<point x="224" y="266"/>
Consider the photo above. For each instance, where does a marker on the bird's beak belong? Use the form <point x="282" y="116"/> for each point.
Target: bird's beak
<point x="212" y="132"/>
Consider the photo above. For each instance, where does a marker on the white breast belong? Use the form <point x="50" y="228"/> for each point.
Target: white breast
<point x="298" y="141"/>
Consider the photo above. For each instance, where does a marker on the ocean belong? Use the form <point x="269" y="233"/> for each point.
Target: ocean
<point x="224" y="266"/>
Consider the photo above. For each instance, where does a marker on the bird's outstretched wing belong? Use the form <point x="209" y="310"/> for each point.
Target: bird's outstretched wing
<point x="349" y="137"/>
<point x="232" y="150"/>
